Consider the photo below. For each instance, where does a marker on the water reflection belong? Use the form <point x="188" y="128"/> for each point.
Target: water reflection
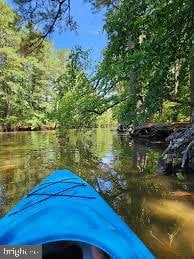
<point x="123" y="171"/>
<point x="103" y="185"/>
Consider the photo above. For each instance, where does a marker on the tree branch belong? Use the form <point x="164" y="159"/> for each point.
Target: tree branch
<point x="34" y="45"/>
<point x="108" y="107"/>
<point x="175" y="100"/>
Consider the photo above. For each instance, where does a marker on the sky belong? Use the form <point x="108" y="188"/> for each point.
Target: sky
<point x="89" y="35"/>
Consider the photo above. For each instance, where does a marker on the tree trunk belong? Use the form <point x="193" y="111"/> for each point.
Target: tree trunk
<point x="192" y="88"/>
<point x="192" y="73"/>
<point x="132" y="82"/>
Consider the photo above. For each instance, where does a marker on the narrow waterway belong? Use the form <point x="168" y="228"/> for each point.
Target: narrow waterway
<point x="159" y="209"/>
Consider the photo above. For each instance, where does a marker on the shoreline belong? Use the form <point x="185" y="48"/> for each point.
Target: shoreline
<point x="4" y="129"/>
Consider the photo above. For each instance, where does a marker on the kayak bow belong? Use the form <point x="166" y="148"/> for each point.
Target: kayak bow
<point x="63" y="207"/>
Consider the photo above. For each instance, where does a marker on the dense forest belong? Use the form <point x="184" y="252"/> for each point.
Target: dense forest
<point x="146" y="73"/>
<point x="41" y="87"/>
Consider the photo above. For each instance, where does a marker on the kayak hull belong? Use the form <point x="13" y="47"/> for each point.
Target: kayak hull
<point x="64" y="207"/>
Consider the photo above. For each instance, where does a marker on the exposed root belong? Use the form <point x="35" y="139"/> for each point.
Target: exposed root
<point x="187" y="154"/>
<point x="179" y="153"/>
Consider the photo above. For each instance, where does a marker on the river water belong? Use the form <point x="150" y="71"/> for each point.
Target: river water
<point x="159" y="209"/>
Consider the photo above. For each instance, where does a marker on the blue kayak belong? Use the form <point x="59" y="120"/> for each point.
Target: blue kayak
<point x="64" y="208"/>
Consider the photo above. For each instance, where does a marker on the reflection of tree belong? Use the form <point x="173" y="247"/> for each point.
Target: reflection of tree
<point x="2" y="201"/>
<point x="23" y="162"/>
<point x="129" y="196"/>
<point x="113" y="165"/>
<point x="139" y="153"/>
<point x="26" y="158"/>
<point x="139" y="157"/>
<point x="132" y="191"/>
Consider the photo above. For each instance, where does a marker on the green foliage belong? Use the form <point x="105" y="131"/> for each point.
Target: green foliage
<point x="41" y="18"/>
<point x="106" y="120"/>
<point x="148" y="57"/>
<point x="144" y="74"/>
<point x="78" y="99"/>
<point x="45" y="87"/>
<point x="97" y="4"/>
<point x="172" y="112"/>
<point x="28" y="84"/>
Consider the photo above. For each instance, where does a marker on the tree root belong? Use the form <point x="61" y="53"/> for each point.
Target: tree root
<point x="187" y="154"/>
<point x="179" y="153"/>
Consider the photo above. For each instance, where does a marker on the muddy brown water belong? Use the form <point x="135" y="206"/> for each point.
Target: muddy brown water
<point x="159" y="209"/>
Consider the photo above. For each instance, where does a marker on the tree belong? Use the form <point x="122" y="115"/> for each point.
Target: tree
<point x="151" y="40"/>
<point x="149" y="60"/>
<point x="10" y="63"/>
<point x="77" y="96"/>
<point x="97" y="4"/>
<point x="28" y="84"/>
<point x="43" y="17"/>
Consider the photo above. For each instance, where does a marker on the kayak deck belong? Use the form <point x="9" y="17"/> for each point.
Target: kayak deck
<point x="64" y="207"/>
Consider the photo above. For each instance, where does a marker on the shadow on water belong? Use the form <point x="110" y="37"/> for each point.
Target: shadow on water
<point x="158" y="209"/>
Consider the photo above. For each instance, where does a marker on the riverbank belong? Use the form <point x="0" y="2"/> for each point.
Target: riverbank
<point x="14" y="128"/>
<point x="153" y="130"/>
<point x="178" y="156"/>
